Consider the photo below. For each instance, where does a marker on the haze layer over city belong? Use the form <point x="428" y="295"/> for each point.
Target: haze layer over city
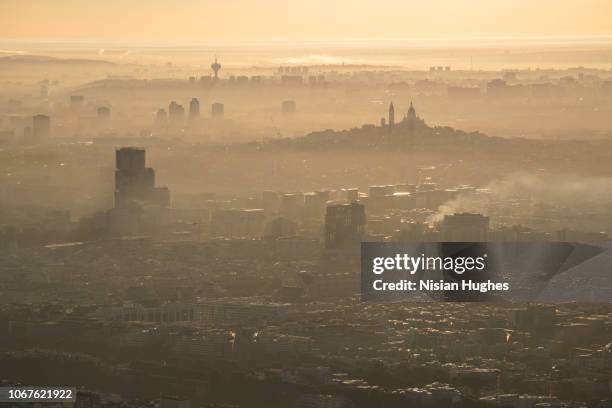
<point x="185" y="186"/>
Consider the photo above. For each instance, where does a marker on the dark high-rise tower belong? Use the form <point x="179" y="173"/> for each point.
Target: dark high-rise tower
<point x="134" y="182"/>
<point x="391" y="115"/>
<point x="344" y="225"/>
<point x="216" y="67"/>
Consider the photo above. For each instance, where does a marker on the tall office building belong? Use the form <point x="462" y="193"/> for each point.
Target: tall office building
<point x="344" y="225"/>
<point x="391" y="115"/>
<point x="161" y="117"/>
<point x="176" y="112"/>
<point x="41" y="126"/>
<point x="194" y="108"/>
<point x="136" y="183"/>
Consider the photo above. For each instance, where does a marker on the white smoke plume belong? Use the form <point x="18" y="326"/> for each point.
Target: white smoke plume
<point x="522" y="197"/>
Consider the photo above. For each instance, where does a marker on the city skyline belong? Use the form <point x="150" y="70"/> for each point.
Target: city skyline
<point x="283" y="204"/>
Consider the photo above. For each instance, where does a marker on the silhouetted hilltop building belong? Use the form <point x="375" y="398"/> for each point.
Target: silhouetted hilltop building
<point x="411" y="120"/>
<point x="41" y="126"/>
<point x="391" y="116"/>
<point x="135" y="183"/>
<point x="194" y="108"/>
<point x="411" y="115"/>
<point x="344" y="225"/>
<point x="409" y="133"/>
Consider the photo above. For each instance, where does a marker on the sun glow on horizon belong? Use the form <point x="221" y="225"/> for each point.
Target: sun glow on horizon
<point x="316" y="20"/>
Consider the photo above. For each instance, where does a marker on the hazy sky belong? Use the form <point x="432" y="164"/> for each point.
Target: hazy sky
<point x="228" y="20"/>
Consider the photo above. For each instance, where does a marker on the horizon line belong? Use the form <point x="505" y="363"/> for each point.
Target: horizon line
<point x="397" y="41"/>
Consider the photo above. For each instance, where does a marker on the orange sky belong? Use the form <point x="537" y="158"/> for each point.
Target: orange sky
<point x="253" y="20"/>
